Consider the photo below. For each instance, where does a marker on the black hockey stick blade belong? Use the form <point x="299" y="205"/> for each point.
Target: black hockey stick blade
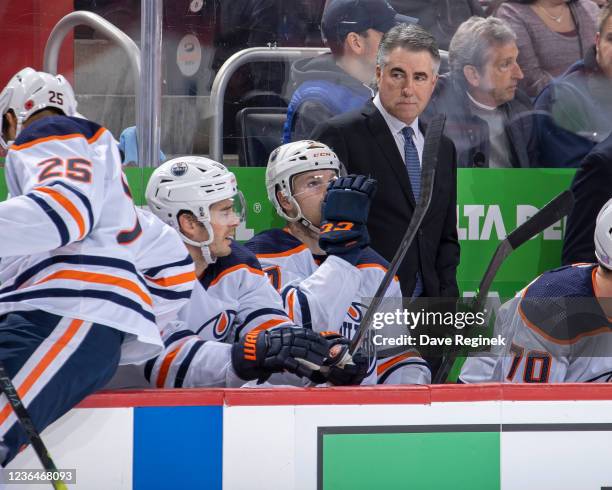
<point x="7" y="387"/>
<point x="428" y="173"/>
<point x="556" y="209"/>
<point x="552" y="212"/>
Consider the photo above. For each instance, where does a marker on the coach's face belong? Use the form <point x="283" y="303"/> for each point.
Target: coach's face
<point x="405" y="83"/>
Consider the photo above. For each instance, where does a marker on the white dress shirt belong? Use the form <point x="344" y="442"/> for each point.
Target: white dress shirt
<point x="396" y="126"/>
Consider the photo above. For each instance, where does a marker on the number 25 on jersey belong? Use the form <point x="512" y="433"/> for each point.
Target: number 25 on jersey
<point x="77" y="169"/>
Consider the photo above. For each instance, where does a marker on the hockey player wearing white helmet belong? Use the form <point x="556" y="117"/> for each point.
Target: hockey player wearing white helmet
<point x="30" y="95"/>
<point x="320" y="262"/>
<point x="73" y="305"/>
<point x="557" y="329"/>
<point x="232" y="298"/>
<point x="200" y="199"/>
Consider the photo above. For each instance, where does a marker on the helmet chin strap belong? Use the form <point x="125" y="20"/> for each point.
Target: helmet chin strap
<point x="308" y="224"/>
<point x="204" y="246"/>
<point x="300" y="218"/>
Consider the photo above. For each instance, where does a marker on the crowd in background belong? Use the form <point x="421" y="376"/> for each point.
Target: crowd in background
<point x="560" y="110"/>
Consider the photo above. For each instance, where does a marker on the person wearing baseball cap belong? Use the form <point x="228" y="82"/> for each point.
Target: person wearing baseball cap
<point x="342" y="17"/>
<point x="335" y="83"/>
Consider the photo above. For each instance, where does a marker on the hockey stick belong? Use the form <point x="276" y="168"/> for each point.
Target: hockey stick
<point x="428" y="173"/>
<point x="552" y="212"/>
<point x="7" y="387"/>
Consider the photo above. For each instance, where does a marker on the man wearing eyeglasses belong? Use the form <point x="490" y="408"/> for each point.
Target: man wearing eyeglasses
<point x="488" y="119"/>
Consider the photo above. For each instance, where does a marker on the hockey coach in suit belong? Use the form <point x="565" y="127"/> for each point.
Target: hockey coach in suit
<point x="385" y="140"/>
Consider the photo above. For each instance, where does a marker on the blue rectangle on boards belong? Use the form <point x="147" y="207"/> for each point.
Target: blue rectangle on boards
<point x="178" y="448"/>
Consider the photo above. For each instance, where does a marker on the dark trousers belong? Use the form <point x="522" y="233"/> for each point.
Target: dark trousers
<point x="54" y="363"/>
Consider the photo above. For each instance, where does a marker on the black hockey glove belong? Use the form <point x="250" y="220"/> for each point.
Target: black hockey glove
<point x="297" y="350"/>
<point x="340" y="368"/>
<point x="345" y="212"/>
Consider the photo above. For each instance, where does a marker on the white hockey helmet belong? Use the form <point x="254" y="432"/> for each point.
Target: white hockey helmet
<point x="192" y="184"/>
<point x="603" y="236"/>
<point x="30" y="91"/>
<point x="291" y="159"/>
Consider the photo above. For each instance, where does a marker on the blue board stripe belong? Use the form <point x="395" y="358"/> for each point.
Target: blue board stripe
<point x="178" y="448"/>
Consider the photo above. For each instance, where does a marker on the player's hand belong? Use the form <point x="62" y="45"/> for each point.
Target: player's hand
<point x="340" y="367"/>
<point x="298" y="350"/>
<point x="344" y="214"/>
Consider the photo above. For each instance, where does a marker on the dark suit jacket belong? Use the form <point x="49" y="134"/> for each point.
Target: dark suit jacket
<point x="592" y="187"/>
<point x="364" y="143"/>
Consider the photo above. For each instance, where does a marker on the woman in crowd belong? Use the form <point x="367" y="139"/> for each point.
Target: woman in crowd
<point x="552" y="34"/>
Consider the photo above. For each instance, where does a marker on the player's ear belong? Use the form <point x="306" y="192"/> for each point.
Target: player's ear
<point x="187" y="224"/>
<point x="9" y="126"/>
<point x="283" y="201"/>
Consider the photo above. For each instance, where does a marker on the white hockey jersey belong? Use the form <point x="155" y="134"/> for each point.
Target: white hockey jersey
<point x="232" y="298"/>
<point x="556" y="331"/>
<point x="328" y="294"/>
<point x="67" y="229"/>
<point x="170" y="277"/>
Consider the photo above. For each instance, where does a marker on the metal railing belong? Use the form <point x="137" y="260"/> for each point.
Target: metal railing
<point x="217" y="94"/>
<point x="149" y="97"/>
<point x="104" y="27"/>
<point x="101" y="25"/>
<point x="226" y="71"/>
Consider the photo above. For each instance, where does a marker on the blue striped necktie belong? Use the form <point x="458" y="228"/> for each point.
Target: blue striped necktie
<point x="413" y="165"/>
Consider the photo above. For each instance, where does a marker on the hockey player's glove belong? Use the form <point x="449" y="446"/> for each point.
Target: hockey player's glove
<point x="340" y="368"/>
<point x="298" y="350"/>
<point x="345" y="212"/>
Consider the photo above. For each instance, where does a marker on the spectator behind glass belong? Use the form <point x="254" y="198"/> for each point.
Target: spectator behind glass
<point x="578" y="106"/>
<point x="439" y="17"/>
<point x="335" y="83"/>
<point x="488" y="119"/>
<point x="551" y="35"/>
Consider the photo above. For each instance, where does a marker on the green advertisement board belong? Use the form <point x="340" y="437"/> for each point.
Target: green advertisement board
<point x="490" y="204"/>
<point x="436" y="457"/>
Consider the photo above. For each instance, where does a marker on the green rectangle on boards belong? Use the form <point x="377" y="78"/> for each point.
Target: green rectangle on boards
<point x="408" y="460"/>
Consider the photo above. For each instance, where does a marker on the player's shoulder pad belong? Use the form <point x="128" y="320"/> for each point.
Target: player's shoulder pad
<point x="560" y="305"/>
<point x="371" y="258"/>
<point x="274" y="242"/>
<point x="571" y="281"/>
<point x="240" y="258"/>
<point x="57" y="126"/>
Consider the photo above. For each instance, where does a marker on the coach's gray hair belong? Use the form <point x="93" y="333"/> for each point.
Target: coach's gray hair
<point x="471" y="42"/>
<point x="410" y="37"/>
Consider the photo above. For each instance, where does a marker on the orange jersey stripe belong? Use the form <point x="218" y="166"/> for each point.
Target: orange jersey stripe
<point x="292" y="251"/>
<point x="68" y="206"/>
<point x="43" y="364"/>
<point x="37" y="141"/>
<point x="376" y="266"/>
<point x="291" y="303"/>
<point x="393" y="361"/>
<point x="165" y="367"/>
<point x="96" y="277"/>
<point x="96" y="136"/>
<point x="174" y="280"/>
<point x="550" y="338"/>
<point x="269" y="324"/>
<point x="234" y="269"/>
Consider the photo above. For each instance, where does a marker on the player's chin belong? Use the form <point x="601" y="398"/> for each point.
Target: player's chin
<point x="224" y="248"/>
